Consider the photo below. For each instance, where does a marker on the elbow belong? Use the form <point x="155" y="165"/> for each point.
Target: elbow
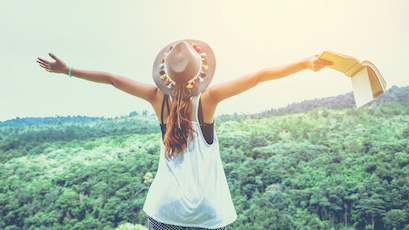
<point x="110" y="79"/>
<point x="263" y="75"/>
<point x="256" y="81"/>
<point x="259" y="77"/>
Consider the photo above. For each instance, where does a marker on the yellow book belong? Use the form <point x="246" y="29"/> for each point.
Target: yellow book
<point x="367" y="81"/>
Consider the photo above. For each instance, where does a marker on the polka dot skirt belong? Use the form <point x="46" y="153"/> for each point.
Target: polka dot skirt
<point x="155" y="225"/>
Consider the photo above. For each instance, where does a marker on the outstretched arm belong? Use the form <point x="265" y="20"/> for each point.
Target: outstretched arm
<point x="217" y="93"/>
<point x="222" y="91"/>
<point x="142" y="90"/>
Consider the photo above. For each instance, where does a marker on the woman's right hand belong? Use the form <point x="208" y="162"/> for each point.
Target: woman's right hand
<point x="315" y="64"/>
<point x="54" y="67"/>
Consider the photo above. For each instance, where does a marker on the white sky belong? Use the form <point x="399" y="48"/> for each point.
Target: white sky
<point x="123" y="37"/>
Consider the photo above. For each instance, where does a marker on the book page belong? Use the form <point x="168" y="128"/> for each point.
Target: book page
<point x="342" y="63"/>
<point x="375" y="84"/>
<point x="375" y="72"/>
<point x="362" y="87"/>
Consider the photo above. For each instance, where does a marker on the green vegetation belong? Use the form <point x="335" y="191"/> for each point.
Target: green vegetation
<point x="314" y="165"/>
<point x="129" y="226"/>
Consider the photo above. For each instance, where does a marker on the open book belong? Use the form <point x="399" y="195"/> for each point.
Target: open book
<point x="367" y="81"/>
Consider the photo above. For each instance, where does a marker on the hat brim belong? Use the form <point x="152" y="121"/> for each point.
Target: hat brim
<point x="211" y="63"/>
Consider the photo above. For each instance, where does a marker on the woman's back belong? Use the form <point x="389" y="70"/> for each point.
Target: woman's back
<point x="191" y="188"/>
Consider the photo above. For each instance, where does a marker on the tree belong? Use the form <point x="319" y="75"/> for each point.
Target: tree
<point x="395" y="218"/>
<point x="67" y="201"/>
<point x="372" y="207"/>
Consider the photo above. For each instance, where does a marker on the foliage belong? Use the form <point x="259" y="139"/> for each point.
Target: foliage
<point x="302" y="167"/>
<point x="129" y="226"/>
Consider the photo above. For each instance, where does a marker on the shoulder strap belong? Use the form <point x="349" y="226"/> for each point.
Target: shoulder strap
<point x="165" y="98"/>
<point x="167" y="104"/>
<point x="200" y="112"/>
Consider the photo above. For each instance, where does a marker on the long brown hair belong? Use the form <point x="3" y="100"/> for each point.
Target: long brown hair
<point x="179" y="128"/>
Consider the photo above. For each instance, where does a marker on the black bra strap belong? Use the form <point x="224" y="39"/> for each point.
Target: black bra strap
<point x="200" y="115"/>
<point x="167" y="103"/>
<point x="165" y="98"/>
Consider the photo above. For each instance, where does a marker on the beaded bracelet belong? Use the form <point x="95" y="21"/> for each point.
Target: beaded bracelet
<point x="69" y="72"/>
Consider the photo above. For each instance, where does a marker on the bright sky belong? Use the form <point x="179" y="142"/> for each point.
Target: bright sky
<point x="123" y="37"/>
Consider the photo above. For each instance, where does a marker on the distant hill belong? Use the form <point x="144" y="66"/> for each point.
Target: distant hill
<point x="51" y="129"/>
<point x="20" y="122"/>
<point x="395" y="94"/>
<point x="398" y="95"/>
<point x="30" y="121"/>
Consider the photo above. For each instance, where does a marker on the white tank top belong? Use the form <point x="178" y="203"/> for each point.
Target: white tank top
<point x="191" y="189"/>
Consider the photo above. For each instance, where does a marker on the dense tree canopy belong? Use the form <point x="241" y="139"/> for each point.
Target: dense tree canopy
<point x="319" y="164"/>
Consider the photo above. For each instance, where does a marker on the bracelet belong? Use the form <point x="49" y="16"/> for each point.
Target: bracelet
<point x="69" y="72"/>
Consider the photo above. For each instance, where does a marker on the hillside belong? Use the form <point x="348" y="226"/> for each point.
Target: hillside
<point x="318" y="164"/>
<point x="398" y="95"/>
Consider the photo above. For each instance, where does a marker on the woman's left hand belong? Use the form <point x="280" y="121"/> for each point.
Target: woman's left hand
<point x="315" y="64"/>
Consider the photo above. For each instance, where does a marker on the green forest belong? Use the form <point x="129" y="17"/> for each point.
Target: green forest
<point x="318" y="164"/>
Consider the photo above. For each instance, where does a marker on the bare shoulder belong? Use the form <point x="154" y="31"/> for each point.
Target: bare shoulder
<point x="156" y="99"/>
<point x="209" y="105"/>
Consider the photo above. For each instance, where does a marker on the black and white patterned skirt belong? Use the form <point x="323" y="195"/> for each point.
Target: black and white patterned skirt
<point x="155" y="225"/>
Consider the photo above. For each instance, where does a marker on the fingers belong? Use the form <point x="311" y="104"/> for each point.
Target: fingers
<point x="43" y="61"/>
<point x="44" y="64"/>
<point x="321" y="63"/>
<point x="54" y="57"/>
<point x="315" y="63"/>
<point x="325" y="62"/>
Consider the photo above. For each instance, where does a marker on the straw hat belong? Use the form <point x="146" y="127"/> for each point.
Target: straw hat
<point x="187" y="65"/>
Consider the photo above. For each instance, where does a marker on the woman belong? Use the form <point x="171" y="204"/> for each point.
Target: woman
<point x="190" y="190"/>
